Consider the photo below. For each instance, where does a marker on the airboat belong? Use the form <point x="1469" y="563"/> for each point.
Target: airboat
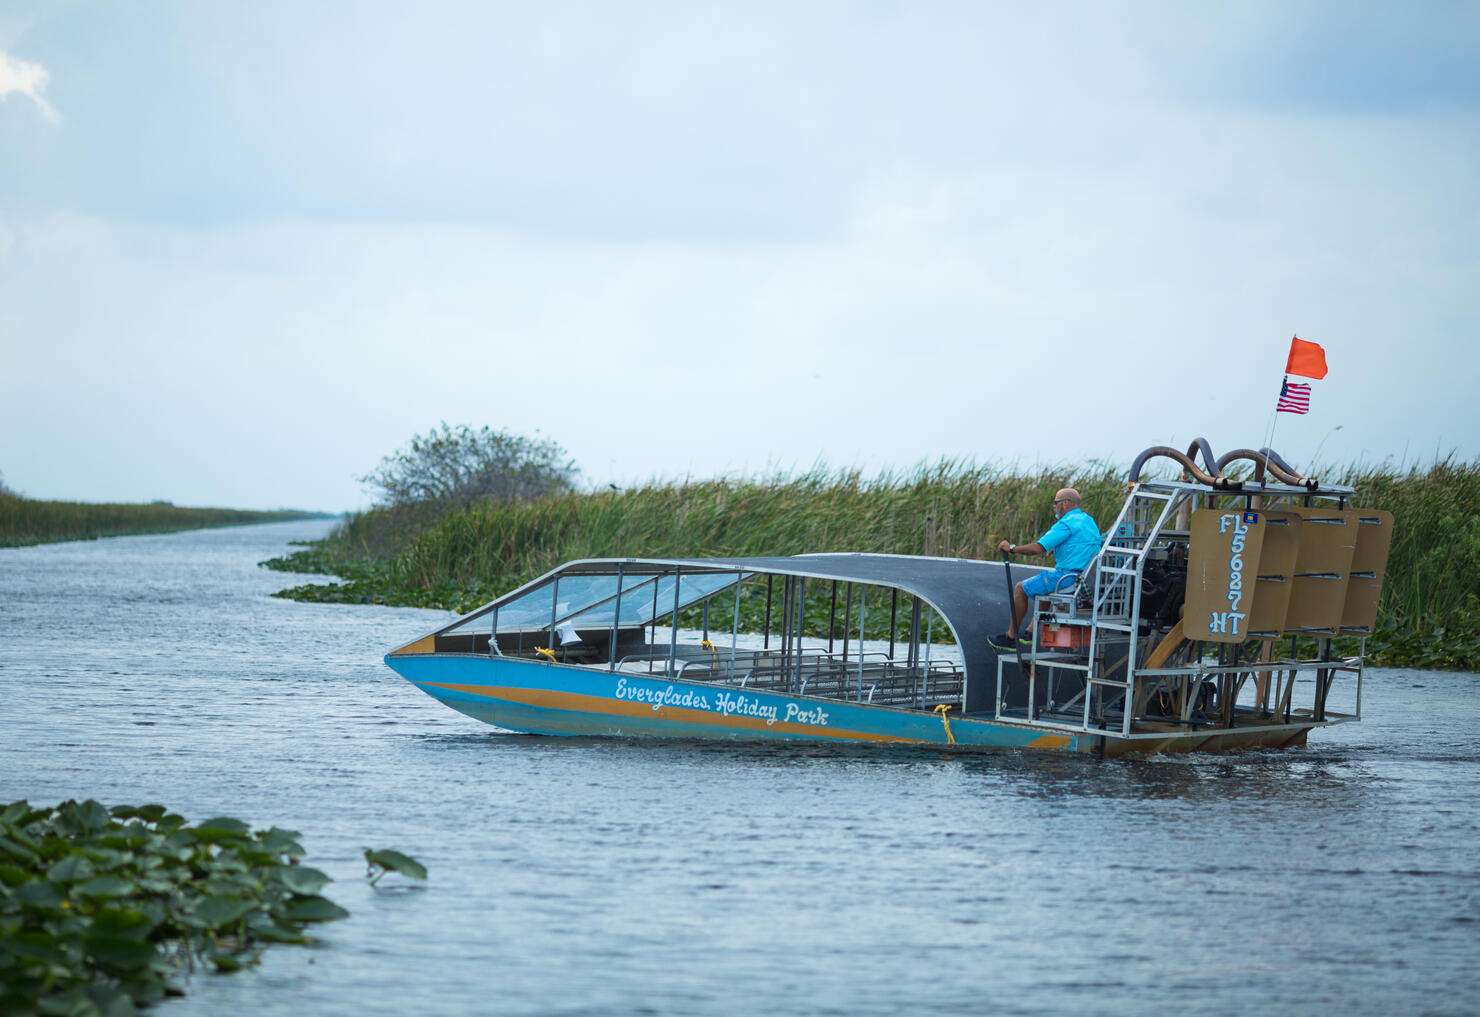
<point x="1230" y="597"/>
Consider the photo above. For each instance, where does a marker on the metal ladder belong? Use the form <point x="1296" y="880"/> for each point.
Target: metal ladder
<point x="1116" y="601"/>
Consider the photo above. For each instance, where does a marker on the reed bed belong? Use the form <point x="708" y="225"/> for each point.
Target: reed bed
<point x="26" y="521"/>
<point x="462" y="558"/>
<point x="457" y="560"/>
<point x="1431" y="597"/>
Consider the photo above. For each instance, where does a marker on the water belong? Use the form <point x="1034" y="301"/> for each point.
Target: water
<point x="607" y="877"/>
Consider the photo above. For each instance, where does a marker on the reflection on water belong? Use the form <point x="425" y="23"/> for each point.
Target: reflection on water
<point x="591" y="876"/>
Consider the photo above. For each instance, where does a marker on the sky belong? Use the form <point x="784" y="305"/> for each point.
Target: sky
<point x="248" y="250"/>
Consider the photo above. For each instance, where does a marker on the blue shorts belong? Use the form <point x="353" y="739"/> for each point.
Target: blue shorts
<point x="1052" y="581"/>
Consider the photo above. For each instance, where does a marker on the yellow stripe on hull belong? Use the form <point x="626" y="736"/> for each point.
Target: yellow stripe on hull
<point x="578" y="703"/>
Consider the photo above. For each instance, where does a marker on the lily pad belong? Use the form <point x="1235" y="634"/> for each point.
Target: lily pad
<point x="388" y="860"/>
<point x="38" y="893"/>
<point x="283" y="842"/>
<point x="71" y="869"/>
<point x="314" y="909"/>
<point x="222" y="909"/>
<point x="126" y="923"/>
<point x="106" y="886"/>
<point x="17" y="850"/>
<point x="218" y="829"/>
<point x="277" y="932"/>
<point x="300" y="878"/>
<point x="119" y="953"/>
<point x="13" y="875"/>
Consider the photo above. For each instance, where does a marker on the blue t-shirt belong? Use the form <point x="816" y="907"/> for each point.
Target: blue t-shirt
<point x="1074" y="539"/>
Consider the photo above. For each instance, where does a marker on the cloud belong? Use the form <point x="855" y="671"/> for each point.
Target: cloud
<point x="1357" y="58"/>
<point x="28" y="79"/>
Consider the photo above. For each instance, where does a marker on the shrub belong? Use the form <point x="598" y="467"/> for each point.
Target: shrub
<point x="457" y="466"/>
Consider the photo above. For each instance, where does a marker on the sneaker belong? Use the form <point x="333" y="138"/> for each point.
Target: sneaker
<point x="1005" y="643"/>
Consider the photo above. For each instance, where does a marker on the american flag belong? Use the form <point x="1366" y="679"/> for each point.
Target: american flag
<point x="1294" y="398"/>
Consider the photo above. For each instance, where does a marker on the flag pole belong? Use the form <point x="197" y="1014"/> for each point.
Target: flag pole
<point x="1274" y="417"/>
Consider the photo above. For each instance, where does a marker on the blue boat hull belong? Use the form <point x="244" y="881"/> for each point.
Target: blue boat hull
<point x="555" y="699"/>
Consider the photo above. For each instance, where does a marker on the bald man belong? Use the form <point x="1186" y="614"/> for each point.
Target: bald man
<point x="1074" y="539"/>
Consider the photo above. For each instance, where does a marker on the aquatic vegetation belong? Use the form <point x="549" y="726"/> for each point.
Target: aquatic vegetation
<point x="459" y="559"/>
<point x="25" y="521"/>
<point x="1431" y="599"/>
<point x="103" y="910"/>
<point x="383" y="860"/>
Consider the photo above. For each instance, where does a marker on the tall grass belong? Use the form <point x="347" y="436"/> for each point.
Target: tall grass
<point x="25" y="521"/>
<point x="1431" y="597"/>
<point x="1431" y="607"/>
<point x="463" y="558"/>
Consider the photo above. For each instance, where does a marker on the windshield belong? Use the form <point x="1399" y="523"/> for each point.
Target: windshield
<point x="591" y="601"/>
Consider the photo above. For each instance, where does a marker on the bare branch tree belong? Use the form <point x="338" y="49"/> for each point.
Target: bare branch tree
<point x="457" y="465"/>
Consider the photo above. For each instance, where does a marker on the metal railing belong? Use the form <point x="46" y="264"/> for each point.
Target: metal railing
<point x="873" y="678"/>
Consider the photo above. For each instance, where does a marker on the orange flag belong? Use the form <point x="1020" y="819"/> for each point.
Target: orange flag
<point x="1306" y="359"/>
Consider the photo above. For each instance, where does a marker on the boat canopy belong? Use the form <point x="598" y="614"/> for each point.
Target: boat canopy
<point x="971" y="596"/>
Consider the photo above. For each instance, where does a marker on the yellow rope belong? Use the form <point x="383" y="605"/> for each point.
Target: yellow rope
<point x="943" y="709"/>
<point x="545" y="651"/>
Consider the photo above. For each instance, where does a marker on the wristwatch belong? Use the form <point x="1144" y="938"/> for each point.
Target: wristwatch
<point x="1011" y="547"/>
